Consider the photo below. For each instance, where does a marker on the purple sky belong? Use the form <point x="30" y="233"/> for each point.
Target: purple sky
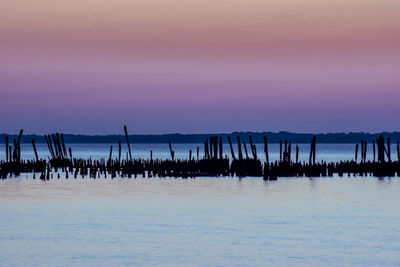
<point x="315" y="67"/>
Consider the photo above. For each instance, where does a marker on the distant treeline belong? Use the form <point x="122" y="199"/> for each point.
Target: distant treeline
<point x="199" y="138"/>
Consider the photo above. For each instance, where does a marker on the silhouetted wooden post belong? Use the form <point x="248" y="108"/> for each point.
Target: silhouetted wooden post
<point x="119" y="151"/>
<point x="398" y="151"/>
<point x="127" y="142"/>
<point x="253" y="148"/>
<point x="266" y="149"/>
<point x="230" y="145"/>
<point x="151" y="155"/>
<point x="373" y="148"/>
<point x="190" y="154"/>
<point x="220" y="148"/>
<point x="381" y="148"/>
<point x="388" y="150"/>
<point x="312" y="150"/>
<point x="289" y="151"/>
<point x="206" y="153"/>
<point x="7" y="149"/>
<point x="356" y="155"/>
<point x="110" y="154"/>
<point x="63" y="145"/>
<point x="362" y="150"/>
<point x="297" y="153"/>
<point x="245" y="150"/>
<point x="198" y="153"/>
<point x="34" y="150"/>
<point x="170" y="150"/>
<point x="19" y="136"/>
<point x="239" y="148"/>
<point x="280" y="150"/>
<point x="365" y="151"/>
<point x="215" y="142"/>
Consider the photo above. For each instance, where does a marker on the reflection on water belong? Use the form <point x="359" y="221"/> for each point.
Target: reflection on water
<point x="202" y="221"/>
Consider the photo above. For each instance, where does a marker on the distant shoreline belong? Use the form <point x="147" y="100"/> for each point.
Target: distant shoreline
<point x="330" y="138"/>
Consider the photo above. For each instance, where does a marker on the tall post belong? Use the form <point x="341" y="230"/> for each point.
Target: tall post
<point x="220" y="148"/>
<point x="356" y="152"/>
<point x="239" y="148"/>
<point x="7" y="149"/>
<point x="266" y="149"/>
<point x="127" y="142"/>
<point x="388" y="150"/>
<point x="34" y="150"/>
<point x="373" y="149"/>
<point x="230" y="145"/>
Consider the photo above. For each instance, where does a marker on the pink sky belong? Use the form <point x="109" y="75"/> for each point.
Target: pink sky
<point x="90" y="66"/>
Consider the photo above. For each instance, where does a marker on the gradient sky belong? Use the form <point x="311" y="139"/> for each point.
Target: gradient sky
<point x="91" y="66"/>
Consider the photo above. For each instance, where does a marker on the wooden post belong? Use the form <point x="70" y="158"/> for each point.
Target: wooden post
<point x="170" y="150"/>
<point x="230" y="145"/>
<point x="314" y="148"/>
<point x="365" y="151"/>
<point x="398" y="151"/>
<point x="362" y="150"/>
<point x="220" y="148"/>
<point x="266" y="149"/>
<point x="7" y="149"/>
<point x="239" y="148"/>
<point x="381" y="148"/>
<point x="198" y="153"/>
<point x="373" y="148"/>
<point x="110" y="154"/>
<point x="119" y="151"/>
<point x="388" y="150"/>
<point x="127" y="142"/>
<point x="297" y="153"/>
<point x="289" y="152"/>
<point x="280" y="150"/>
<point x="356" y="155"/>
<point x="63" y="145"/>
<point x="253" y="148"/>
<point x="34" y="150"/>
<point x="190" y="154"/>
<point x="245" y="150"/>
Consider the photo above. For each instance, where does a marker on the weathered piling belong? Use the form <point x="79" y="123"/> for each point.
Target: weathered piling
<point x="388" y="150"/>
<point x="373" y="149"/>
<point x="356" y="155"/>
<point x="240" y="155"/>
<point x="245" y="150"/>
<point x="127" y="142"/>
<point x="34" y="150"/>
<point x="297" y="154"/>
<point x="119" y="151"/>
<point x="221" y="156"/>
<point x="312" y="150"/>
<point x="266" y="149"/>
<point x="280" y="150"/>
<point x="7" y="149"/>
<point x="171" y="151"/>
<point x="231" y="147"/>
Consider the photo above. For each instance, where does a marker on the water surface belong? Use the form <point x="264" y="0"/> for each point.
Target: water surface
<point x="200" y="222"/>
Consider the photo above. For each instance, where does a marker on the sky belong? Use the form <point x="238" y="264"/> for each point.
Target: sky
<point x="190" y="66"/>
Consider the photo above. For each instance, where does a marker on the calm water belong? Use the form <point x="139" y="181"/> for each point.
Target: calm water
<point x="202" y="221"/>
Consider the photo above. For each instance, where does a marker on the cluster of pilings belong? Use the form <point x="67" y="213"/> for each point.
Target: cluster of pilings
<point x="213" y="163"/>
